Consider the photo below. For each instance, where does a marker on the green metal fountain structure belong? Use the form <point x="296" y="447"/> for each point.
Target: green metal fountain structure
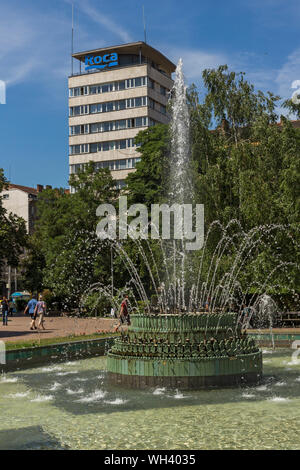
<point x="187" y="351"/>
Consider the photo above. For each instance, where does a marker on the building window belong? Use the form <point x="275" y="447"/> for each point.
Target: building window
<point x="112" y="165"/>
<point x="78" y="130"/>
<point x="122" y="144"/>
<point x="107" y="87"/>
<point x="78" y="91"/>
<point x="163" y="109"/>
<point x="101" y="146"/>
<point x="93" y="148"/>
<point x="151" y="104"/>
<point x="114" y="106"/>
<point x="121" y="124"/>
<point x="109" y="126"/>
<point x="138" y="122"/>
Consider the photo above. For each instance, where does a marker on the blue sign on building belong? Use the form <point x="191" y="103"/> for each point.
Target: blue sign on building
<point x="101" y="62"/>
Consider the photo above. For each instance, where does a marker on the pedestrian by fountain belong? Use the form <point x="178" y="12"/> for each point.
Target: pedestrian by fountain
<point x="206" y="304"/>
<point x="112" y="313"/>
<point x="245" y="316"/>
<point x="4" y="307"/>
<point x="40" y="310"/>
<point x="124" y="314"/>
<point x="30" y="308"/>
<point x="11" y="307"/>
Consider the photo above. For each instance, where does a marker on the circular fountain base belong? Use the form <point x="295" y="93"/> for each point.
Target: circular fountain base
<point x="185" y="374"/>
<point x="184" y="383"/>
<point x="188" y="352"/>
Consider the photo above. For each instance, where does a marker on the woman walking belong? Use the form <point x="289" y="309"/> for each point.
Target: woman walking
<point x="5" y="308"/>
<point x="40" y="310"/>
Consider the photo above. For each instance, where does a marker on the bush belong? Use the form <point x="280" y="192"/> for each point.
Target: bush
<point x="141" y="307"/>
<point x="20" y="304"/>
<point x="96" y="305"/>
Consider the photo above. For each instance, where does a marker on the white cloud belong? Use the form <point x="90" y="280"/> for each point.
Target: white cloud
<point x="36" y="46"/>
<point x="195" y="61"/>
<point x="28" y="48"/>
<point x="258" y="72"/>
<point x="262" y="76"/>
<point x="289" y="72"/>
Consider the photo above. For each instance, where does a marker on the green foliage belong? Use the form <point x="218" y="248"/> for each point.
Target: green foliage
<point x="234" y="99"/>
<point x="20" y="304"/>
<point x="292" y="107"/>
<point x="96" y="305"/>
<point x="65" y="249"/>
<point x="13" y="236"/>
<point x="147" y="184"/>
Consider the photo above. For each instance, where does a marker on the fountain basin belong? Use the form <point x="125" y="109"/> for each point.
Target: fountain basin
<point x="188" y="351"/>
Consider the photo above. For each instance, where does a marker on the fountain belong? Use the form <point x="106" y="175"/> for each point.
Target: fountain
<point x="266" y="310"/>
<point x="177" y="344"/>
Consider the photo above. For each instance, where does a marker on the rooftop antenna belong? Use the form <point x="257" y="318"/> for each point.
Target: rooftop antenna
<point x="144" y="21"/>
<point x="72" y="46"/>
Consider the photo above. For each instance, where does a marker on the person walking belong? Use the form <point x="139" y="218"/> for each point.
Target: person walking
<point x="206" y="305"/>
<point x="30" y="308"/>
<point x="245" y="316"/>
<point x="4" y="307"/>
<point x="112" y="313"/>
<point x="40" y="310"/>
<point x="11" y="307"/>
<point x="124" y="314"/>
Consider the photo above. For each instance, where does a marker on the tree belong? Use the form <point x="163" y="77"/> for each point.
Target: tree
<point x="147" y="184"/>
<point x="13" y="236"/>
<point x="65" y="246"/>
<point x="234" y="100"/>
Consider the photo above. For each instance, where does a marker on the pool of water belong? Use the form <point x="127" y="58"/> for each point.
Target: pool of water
<point x="70" y="406"/>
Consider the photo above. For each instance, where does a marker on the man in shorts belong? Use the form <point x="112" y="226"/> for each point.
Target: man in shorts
<point x="31" y="310"/>
<point x="124" y="314"/>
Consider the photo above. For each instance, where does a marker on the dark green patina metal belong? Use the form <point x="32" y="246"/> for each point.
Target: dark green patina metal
<point x="190" y="351"/>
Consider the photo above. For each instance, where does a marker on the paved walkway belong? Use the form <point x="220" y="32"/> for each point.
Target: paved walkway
<point x="58" y="327"/>
<point x="18" y="328"/>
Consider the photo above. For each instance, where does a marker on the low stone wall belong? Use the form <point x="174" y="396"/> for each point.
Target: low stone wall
<point x="281" y="340"/>
<point x="31" y="357"/>
<point x="185" y="373"/>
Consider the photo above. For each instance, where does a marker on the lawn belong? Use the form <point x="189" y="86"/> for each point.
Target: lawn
<point x="49" y="341"/>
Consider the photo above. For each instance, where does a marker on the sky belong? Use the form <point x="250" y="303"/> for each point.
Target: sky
<point x="259" y="37"/>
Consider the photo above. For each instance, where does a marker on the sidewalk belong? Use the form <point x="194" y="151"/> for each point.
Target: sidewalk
<point x="18" y="328"/>
<point x="58" y="327"/>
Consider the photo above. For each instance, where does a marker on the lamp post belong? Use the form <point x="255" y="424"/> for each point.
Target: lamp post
<point x="112" y="270"/>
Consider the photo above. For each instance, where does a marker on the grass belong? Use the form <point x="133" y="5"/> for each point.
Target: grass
<point x="9" y="346"/>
